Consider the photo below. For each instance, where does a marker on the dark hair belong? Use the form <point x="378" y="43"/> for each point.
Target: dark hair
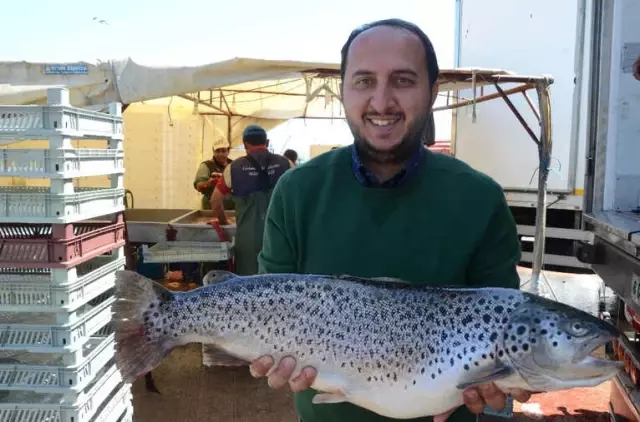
<point x="429" y="52"/>
<point x="255" y="139"/>
<point x="291" y="155"/>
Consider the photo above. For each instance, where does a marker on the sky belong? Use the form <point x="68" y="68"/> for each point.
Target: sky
<point x="192" y="32"/>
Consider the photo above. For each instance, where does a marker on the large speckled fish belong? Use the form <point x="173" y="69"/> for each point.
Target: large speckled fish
<point x="400" y="350"/>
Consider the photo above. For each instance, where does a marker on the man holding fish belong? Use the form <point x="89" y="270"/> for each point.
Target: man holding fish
<point x="386" y="205"/>
<point x="350" y="309"/>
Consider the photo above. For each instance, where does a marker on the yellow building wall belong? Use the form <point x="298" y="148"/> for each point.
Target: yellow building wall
<point x="163" y="148"/>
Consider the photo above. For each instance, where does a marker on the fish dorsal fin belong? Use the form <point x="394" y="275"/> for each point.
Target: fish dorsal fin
<point x="485" y="375"/>
<point x="390" y="281"/>
<point x="217" y="276"/>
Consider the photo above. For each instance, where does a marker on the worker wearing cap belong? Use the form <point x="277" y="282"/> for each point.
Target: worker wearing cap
<point x="210" y="171"/>
<point x="250" y="181"/>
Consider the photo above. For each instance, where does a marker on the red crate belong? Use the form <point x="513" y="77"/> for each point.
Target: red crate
<point x="58" y="245"/>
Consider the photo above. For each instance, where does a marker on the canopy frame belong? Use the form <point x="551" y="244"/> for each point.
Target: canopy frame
<point x="477" y="78"/>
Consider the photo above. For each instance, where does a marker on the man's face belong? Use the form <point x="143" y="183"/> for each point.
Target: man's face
<point x="386" y="93"/>
<point x="221" y="154"/>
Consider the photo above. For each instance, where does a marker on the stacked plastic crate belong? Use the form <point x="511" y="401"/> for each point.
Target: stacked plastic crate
<point x="59" y="249"/>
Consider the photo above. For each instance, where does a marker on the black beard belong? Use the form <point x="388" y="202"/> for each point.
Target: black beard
<point x="402" y="152"/>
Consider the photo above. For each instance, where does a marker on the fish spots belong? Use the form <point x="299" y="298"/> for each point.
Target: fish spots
<point x="345" y="325"/>
<point x="521" y="330"/>
<point x="525" y="347"/>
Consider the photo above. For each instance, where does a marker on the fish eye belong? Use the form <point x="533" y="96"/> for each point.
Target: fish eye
<point x="577" y="328"/>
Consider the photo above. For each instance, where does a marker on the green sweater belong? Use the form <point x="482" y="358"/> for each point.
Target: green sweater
<point x="448" y="225"/>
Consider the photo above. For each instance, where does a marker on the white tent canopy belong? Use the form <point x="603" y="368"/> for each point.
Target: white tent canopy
<point x="128" y="82"/>
<point x="267" y="92"/>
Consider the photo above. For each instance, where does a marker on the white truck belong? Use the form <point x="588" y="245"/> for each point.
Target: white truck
<point x="531" y="37"/>
<point x="589" y="47"/>
<point x="612" y="186"/>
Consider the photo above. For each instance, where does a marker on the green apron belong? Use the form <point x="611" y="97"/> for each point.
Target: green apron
<point x="250" y="215"/>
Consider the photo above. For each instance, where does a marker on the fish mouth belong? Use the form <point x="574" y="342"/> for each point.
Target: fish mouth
<point x="598" y="366"/>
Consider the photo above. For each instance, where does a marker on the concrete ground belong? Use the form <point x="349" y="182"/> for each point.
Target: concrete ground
<point x="192" y="392"/>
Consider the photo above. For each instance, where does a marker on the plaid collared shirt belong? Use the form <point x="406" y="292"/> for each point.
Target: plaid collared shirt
<point x="368" y="179"/>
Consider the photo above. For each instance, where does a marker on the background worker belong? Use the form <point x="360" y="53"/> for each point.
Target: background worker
<point x="292" y="155"/>
<point x="250" y="181"/>
<point x="388" y="207"/>
<point x="209" y="172"/>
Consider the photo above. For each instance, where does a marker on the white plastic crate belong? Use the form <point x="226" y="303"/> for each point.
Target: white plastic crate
<point x="39" y="205"/>
<point x="64" y="163"/>
<point x="187" y="252"/>
<point x="37" y="290"/>
<point x="45" y="333"/>
<point x="42" y="122"/>
<point x="108" y="395"/>
<point x="119" y="410"/>
<point x="127" y="417"/>
<point x="40" y="374"/>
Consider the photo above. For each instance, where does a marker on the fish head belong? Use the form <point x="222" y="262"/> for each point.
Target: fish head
<point x="551" y="345"/>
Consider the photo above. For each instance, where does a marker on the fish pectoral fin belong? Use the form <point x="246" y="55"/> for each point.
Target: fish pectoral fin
<point x="484" y="376"/>
<point x="328" y="398"/>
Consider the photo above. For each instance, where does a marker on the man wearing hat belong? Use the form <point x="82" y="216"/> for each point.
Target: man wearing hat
<point x="210" y="171"/>
<point x="250" y="181"/>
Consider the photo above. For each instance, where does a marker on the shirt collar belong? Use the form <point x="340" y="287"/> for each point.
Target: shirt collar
<point x="366" y="178"/>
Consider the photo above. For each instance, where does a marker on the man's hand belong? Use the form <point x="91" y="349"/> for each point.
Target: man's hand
<point x="475" y="398"/>
<point x="636" y="69"/>
<point x="279" y="376"/>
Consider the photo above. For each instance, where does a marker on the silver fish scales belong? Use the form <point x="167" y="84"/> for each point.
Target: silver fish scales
<point x="400" y="350"/>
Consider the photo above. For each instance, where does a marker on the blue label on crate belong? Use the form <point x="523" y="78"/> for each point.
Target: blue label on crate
<point x="66" y="69"/>
<point x="506" y="413"/>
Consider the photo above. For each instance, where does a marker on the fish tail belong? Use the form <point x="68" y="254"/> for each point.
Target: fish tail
<point x="135" y="313"/>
